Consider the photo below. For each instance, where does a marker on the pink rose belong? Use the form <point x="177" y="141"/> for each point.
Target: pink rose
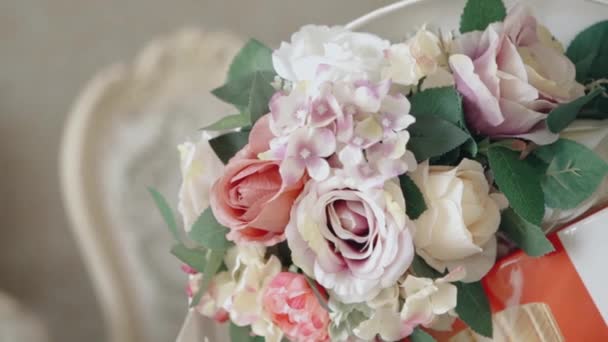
<point x="353" y="241"/>
<point x="250" y="197"/>
<point x="293" y="307"/>
<point x="511" y="76"/>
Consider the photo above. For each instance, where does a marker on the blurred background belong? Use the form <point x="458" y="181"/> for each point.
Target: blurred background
<point x="149" y="94"/>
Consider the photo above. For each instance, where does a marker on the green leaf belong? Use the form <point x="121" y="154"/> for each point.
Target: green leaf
<point x="208" y="232"/>
<point x="446" y="103"/>
<point x="573" y="174"/>
<point x="315" y="290"/>
<point x="414" y="200"/>
<point x="227" y="145"/>
<point x="589" y="52"/>
<point x="251" y="93"/>
<point x="530" y="238"/>
<point x="212" y="265"/>
<point x="441" y="102"/>
<point x="229" y="122"/>
<point x="166" y="212"/>
<point x="192" y="257"/>
<point x="478" y="14"/>
<point x="422" y="269"/>
<point x="254" y="56"/>
<point x="560" y="117"/>
<point x="243" y="334"/>
<point x="419" y="335"/>
<point x="473" y="307"/>
<point x="520" y="181"/>
<point x="432" y="136"/>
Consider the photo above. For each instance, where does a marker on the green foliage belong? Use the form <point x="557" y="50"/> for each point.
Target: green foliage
<point x="445" y="103"/>
<point x="166" y="212"/>
<point x="254" y="56"/>
<point x="193" y="257"/>
<point x="251" y="93"/>
<point x="474" y="308"/>
<point x="560" y="117"/>
<point x="207" y="232"/>
<point x="432" y="136"/>
<point x="589" y="52"/>
<point x="214" y="261"/>
<point x="520" y="181"/>
<point x="243" y="334"/>
<point x="420" y="335"/>
<point x="574" y="173"/>
<point x="414" y="200"/>
<point x="248" y="86"/>
<point x="227" y="145"/>
<point x="422" y="269"/>
<point x="530" y="238"/>
<point x="478" y="14"/>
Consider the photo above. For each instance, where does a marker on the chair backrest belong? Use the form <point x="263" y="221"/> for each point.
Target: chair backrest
<point x="120" y="138"/>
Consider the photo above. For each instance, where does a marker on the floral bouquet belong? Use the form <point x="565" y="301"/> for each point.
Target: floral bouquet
<point x="366" y="187"/>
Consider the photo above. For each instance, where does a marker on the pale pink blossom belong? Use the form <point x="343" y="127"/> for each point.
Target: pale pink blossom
<point x="353" y="242"/>
<point x="511" y="76"/>
<point x="293" y="307"/>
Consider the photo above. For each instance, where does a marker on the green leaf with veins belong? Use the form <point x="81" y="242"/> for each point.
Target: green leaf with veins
<point x="251" y="93"/>
<point x="573" y="174"/>
<point x="520" y="181"/>
<point x="254" y="56"/>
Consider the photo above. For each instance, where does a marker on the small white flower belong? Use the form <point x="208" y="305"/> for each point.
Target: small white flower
<point x="421" y="56"/>
<point x="426" y="300"/>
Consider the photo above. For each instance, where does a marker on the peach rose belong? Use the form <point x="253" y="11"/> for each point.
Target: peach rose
<point x="293" y="307"/>
<point x="250" y="197"/>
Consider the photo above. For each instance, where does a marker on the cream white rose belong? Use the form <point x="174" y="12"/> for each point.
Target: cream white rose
<point x="200" y="167"/>
<point x="335" y="51"/>
<point x="458" y="228"/>
<point x="593" y="134"/>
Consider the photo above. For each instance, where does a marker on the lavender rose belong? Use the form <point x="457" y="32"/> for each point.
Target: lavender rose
<point x="511" y="76"/>
<point x="353" y="242"/>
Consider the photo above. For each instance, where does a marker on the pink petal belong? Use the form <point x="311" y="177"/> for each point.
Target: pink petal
<point x="510" y="61"/>
<point x="323" y="142"/>
<point x="318" y="168"/>
<point x="291" y="170"/>
<point x="481" y="106"/>
<point x="260" y="135"/>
